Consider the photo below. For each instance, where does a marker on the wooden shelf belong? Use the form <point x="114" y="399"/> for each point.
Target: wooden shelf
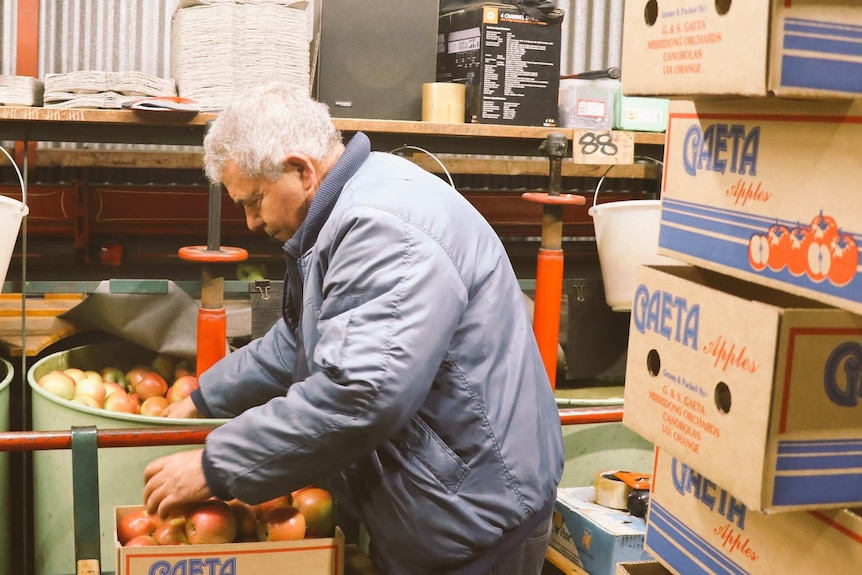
<point x="169" y="128"/>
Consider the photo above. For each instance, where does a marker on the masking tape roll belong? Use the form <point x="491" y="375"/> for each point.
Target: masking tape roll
<point x="443" y="102"/>
<point x="612" y="492"/>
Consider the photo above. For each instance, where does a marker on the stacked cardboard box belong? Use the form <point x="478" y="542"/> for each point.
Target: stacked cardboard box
<point x="744" y="370"/>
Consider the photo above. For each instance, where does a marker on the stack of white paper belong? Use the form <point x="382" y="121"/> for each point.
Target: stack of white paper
<point x="98" y="89"/>
<point x="219" y="47"/>
<point x="20" y="91"/>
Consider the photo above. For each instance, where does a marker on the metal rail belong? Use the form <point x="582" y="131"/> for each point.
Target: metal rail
<point x="190" y="435"/>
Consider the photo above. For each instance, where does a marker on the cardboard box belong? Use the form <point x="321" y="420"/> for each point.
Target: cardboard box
<point x="594" y="537"/>
<point x="756" y="388"/>
<point x="641" y="568"/>
<point x="509" y="62"/>
<point x="321" y="556"/>
<point x="803" y="48"/>
<point x="766" y="190"/>
<point x="696" y="527"/>
<point x="640" y="114"/>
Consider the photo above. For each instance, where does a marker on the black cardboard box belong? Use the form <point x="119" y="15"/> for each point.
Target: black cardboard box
<point x="509" y="62"/>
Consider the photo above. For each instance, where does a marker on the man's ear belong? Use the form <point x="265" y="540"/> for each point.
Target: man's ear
<point x="304" y="167"/>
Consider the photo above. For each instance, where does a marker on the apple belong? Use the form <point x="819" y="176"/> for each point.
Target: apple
<point x="75" y="373"/>
<point x="758" y="252"/>
<point x="121" y="402"/>
<point x="318" y="507"/>
<point x="141" y="541"/>
<point x="150" y="385"/>
<point x="154" y="406"/>
<point x="778" y="237"/>
<point x="797" y="257"/>
<point x="134" y="375"/>
<point x="184" y="367"/>
<point x="93" y="388"/>
<point x="824" y="228"/>
<point x="93" y="374"/>
<point x="211" y="521"/>
<point x="164" y="365"/>
<point x="113" y="387"/>
<point x="819" y="260"/>
<point x="58" y="383"/>
<point x="281" y="524"/>
<point x="182" y="388"/>
<point x="261" y="509"/>
<point x="171" y="531"/>
<point x="87" y="400"/>
<point x="114" y="374"/>
<point x="246" y="522"/>
<point x="134" y="524"/>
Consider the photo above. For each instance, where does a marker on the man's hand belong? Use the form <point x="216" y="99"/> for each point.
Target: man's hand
<point x="184" y="408"/>
<point x="174" y="482"/>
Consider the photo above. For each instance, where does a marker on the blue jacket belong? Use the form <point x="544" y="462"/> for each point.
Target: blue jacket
<point x="413" y="387"/>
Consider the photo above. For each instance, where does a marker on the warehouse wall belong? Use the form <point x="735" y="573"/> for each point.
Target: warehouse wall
<point x="135" y="34"/>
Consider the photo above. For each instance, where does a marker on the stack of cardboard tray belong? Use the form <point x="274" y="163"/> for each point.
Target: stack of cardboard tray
<point x="745" y="368"/>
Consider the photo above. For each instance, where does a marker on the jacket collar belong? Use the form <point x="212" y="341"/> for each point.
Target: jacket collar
<point x="357" y="151"/>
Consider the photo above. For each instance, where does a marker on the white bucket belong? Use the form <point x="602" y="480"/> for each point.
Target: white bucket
<point x="11" y="213"/>
<point x="626" y="237"/>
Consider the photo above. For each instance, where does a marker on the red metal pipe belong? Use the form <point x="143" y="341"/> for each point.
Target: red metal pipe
<point x="585" y="415"/>
<point x="212" y="335"/>
<point x="146" y="437"/>
<point x="546" y="314"/>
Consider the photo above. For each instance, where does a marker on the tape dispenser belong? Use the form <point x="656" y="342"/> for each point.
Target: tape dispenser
<point x="624" y="490"/>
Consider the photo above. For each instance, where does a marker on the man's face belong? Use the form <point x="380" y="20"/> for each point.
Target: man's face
<point x="278" y="207"/>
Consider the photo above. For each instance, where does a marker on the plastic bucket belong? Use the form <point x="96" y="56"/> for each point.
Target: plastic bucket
<point x="11" y="213"/>
<point x="6" y="374"/>
<point x="121" y="470"/>
<point x="626" y="237"/>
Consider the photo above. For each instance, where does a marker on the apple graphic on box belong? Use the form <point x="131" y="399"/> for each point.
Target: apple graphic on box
<point x="209" y="522"/>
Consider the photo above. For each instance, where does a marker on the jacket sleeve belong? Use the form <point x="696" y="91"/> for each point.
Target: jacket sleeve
<point x="250" y="376"/>
<point x="392" y="300"/>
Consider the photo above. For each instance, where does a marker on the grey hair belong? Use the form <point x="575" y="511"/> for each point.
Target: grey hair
<point x="261" y="126"/>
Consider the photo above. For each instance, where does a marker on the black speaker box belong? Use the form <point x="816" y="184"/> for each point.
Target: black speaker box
<point x="374" y="56"/>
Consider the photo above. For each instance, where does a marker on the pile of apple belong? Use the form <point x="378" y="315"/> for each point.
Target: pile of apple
<point x="143" y="390"/>
<point x="303" y="514"/>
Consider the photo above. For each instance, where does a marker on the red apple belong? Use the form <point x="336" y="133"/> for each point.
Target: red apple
<point x="87" y="400"/>
<point x="184" y="367"/>
<point x="121" y="402"/>
<point x="75" y="373"/>
<point x="114" y="374"/>
<point x="261" y="509"/>
<point x="182" y="388"/>
<point x="150" y="385"/>
<point x="211" y="521"/>
<point x="164" y="365"/>
<point x="134" y="375"/>
<point x="93" y="388"/>
<point x="281" y="524"/>
<point x="318" y="507"/>
<point x="58" y="383"/>
<point x="113" y="386"/>
<point x="824" y="228"/>
<point x="246" y="522"/>
<point x="141" y="541"/>
<point x="134" y="524"/>
<point x="797" y="257"/>
<point x="154" y="406"/>
<point x="171" y="531"/>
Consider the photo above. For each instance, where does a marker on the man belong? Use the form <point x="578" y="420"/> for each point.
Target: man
<point x="405" y="376"/>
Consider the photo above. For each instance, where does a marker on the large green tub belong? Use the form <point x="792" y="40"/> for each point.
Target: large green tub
<point x="6" y="374"/>
<point x="592" y="448"/>
<point x="121" y="470"/>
